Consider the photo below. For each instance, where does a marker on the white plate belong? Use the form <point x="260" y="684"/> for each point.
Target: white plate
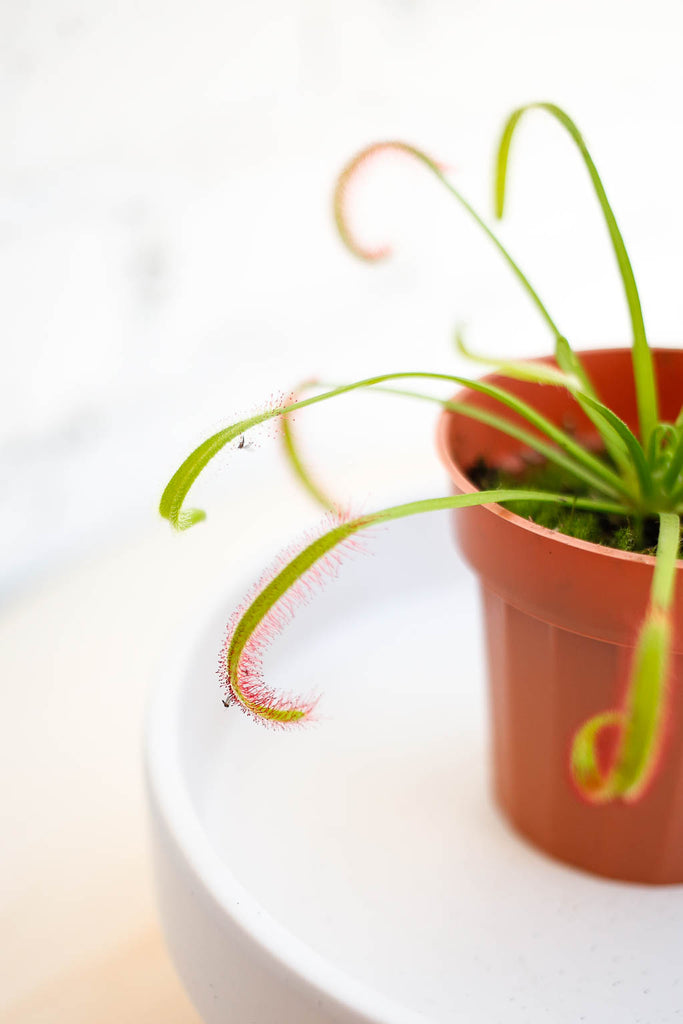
<point x="356" y="870"/>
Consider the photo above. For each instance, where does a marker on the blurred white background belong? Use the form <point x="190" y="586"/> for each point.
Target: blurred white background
<point x="168" y="259"/>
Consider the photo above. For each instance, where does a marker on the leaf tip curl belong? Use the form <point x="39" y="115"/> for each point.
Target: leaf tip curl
<point x="628" y="765"/>
<point x="289" y="583"/>
<point x="344" y="187"/>
<point x="189" y="517"/>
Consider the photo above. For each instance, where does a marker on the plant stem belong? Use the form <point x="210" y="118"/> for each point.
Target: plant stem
<point x="260" y="620"/>
<point x="640" y="720"/>
<point x="532" y="441"/>
<point x="643" y="367"/>
<point x="574" y="378"/>
<point x="171" y="504"/>
<point x="665" y="565"/>
<point x="300" y="469"/>
<point x="672" y="474"/>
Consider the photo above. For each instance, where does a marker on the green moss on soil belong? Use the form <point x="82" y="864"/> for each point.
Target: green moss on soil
<point x="622" y="532"/>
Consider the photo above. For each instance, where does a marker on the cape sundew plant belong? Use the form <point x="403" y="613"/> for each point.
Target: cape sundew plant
<point x="635" y="479"/>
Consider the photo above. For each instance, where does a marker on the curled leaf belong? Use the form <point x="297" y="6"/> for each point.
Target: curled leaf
<point x="643" y="366"/>
<point x="345" y="183"/>
<point x="341" y="215"/>
<point x="639" y="724"/>
<point x="585" y="465"/>
<point x="595" y="784"/>
<point x="294" y="578"/>
<point x="641" y="719"/>
<point x="296" y="461"/>
<point x="264" y="614"/>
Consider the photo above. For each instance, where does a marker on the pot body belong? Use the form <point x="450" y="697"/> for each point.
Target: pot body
<point x="561" y="619"/>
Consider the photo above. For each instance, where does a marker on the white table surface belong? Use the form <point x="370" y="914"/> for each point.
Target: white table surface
<point x="78" y="654"/>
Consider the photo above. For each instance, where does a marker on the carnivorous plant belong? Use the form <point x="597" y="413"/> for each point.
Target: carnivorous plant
<point x="638" y="478"/>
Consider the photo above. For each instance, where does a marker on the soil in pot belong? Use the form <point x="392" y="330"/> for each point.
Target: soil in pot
<point x="639" y="535"/>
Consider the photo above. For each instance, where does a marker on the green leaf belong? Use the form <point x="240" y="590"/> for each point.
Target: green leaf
<point x="673" y="472"/>
<point x="262" y="618"/>
<point x="570" y="362"/>
<point x="173" y="498"/>
<point x="522" y="369"/>
<point x="297" y="464"/>
<point x="643" y="367"/>
<point x="348" y="175"/>
<point x="641" y="719"/>
<point x="527" y="438"/>
<point x="594" y="784"/>
<point x="636" y="453"/>
<point x="170" y="506"/>
<point x="566" y="443"/>
<point x="573" y="377"/>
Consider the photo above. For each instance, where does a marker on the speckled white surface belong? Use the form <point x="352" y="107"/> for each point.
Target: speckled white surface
<point x="371" y="838"/>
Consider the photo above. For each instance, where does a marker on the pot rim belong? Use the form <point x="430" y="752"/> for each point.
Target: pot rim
<point x="465" y="485"/>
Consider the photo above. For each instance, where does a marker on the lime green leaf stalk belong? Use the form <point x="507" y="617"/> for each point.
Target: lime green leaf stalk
<point x="646" y="388"/>
<point x="290" y="582"/>
<point x="641" y="478"/>
<point x="296" y="461"/>
<point x="640" y="721"/>
<point x="567" y="452"/>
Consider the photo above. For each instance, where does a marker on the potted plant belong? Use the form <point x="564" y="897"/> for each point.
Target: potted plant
<point x="568" y="473"/>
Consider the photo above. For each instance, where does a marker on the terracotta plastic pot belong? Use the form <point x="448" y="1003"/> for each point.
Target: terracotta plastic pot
<point x="561" y="618"/>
